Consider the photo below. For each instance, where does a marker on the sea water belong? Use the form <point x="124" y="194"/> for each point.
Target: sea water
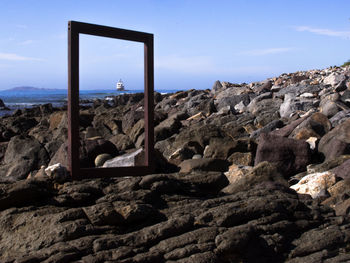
<point x="57" y="97"/>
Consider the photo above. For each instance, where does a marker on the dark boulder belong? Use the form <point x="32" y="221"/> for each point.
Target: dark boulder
<point x="340" y="117"/>
<point x="122" y="142"/>
<point x="127" y="99"/>
<point x="217" y="86"/>
<point x="222" y="148"/>
<point x="169" y="126"/>
<point x="2" y="104"/>
<point x="343" y="170"/>
<point x="130" y="119"/>
<point x="289" y="128"/>
<point x="346" y="97"/>
<point x="85" y="119"/>
<point x="314" y="241"/>
<point x="232" y="101"/>
<point x="136" y="130"/>
<point x="22" y="124"/>
<point x="264" y="87"/>
<point x="290" y="156"/>
<point x="273" y="125"/>
<point x="317" y="125"/>
<point x="94" y="147"/>
<point x="205" y="164"/>
<point x="25" y="192"/>
<point x="199" y="103"/>
<point x="46" y="109"/>
<point x="261" y="173"/>
<point x="24" y="154"/>
<point x="336" y="142"/>
<point x="188" y="142"/>
<point x="89" y="150"/>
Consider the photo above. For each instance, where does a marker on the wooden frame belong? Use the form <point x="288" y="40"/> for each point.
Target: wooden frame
<point x="74" y="29"/>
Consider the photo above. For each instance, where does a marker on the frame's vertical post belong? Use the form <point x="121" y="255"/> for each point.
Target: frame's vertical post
<point x="73" y="99"/>
<point x="149" y="103"/>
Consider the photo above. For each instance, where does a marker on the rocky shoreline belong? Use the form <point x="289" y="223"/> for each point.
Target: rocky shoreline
<point x="254" y="172"/>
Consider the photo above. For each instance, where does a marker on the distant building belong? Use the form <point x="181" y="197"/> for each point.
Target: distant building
<point x="120" y="85"/>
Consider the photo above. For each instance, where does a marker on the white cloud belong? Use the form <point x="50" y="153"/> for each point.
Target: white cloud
<point x="15" y="57"/>
<point x="323" y="31"/>
<point x="266" y="51"/>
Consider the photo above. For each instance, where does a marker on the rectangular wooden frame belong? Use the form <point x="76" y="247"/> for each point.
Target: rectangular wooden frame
<point x="74" y="29"/>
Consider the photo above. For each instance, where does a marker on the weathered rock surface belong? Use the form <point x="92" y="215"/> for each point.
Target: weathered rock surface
<point x="290" y="156"/>
<point x="336" y="142"/>
<point x="226" y="160"/>
<point x="160" y="218"/>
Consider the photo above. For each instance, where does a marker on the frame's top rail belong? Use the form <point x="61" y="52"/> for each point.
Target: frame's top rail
<point x="106" y="31"/>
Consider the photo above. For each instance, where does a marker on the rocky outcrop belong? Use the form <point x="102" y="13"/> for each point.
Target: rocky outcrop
<point x="2" y="104"/>
<point x="254" y="172"/>
<point x="163" y="218"/>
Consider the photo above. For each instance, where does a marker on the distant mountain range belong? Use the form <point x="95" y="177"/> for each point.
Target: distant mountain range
<point x="28" y="88"/>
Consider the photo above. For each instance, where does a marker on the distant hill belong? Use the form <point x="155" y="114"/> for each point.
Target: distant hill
<point x="27" y="88"/>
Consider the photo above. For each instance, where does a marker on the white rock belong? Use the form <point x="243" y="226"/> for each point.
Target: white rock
<point x="206" y="149"/>
<point x="312" y="142"/>
<point x="197" y="116"/>
<point x="237" y="172"/>
<point x="276" y="88"/>
<point x="307" y="95"/>
<point x="286" y="107"/>
<point x="308" y="113"/>
<point x="57" y="172"/>
<point x="136" y="158"/>
<point x="197" y="156"/>
<point x="240" y="107"/>
<point x="315" y="184"/>
<point x="175" y="154"/>
<point x="52" y="168"/>
<point x="333" y="79"/>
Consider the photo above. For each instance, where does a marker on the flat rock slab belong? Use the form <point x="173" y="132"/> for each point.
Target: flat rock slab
<point x="164" y="218"/>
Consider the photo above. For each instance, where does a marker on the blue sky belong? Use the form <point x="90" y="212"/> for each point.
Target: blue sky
<point x="196" y="42"/>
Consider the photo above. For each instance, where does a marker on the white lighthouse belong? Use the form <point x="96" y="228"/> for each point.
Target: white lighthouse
<point x="120" y="85"/>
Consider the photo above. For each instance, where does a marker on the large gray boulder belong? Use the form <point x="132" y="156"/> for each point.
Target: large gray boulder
<point x="216" y="87"/>
<point x="23" y="154"/>
<point x="232" y="101"/>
